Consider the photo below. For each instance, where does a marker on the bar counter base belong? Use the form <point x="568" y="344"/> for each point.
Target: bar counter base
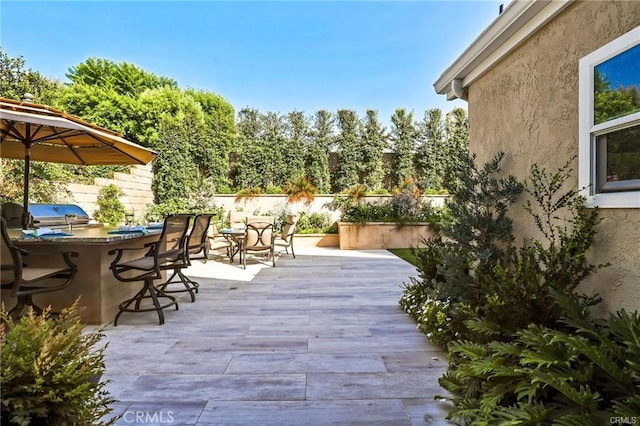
<point x="99" y="292"/>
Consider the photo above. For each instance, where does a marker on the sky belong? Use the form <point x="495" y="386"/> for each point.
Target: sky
<point x="276" y="56"/>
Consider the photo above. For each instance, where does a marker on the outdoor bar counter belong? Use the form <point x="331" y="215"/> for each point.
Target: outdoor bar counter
<point x="100" y="293"/>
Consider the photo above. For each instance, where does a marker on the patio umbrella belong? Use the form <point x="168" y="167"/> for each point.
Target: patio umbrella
<point x="41" y="133"/>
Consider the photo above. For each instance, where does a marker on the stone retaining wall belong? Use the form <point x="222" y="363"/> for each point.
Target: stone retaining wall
<point x="136" y="186"/>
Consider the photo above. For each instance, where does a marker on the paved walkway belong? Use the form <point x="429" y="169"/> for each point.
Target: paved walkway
<point x="317" y="340"/>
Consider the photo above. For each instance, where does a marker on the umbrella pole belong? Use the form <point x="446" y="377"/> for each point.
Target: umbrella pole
<point x="25" y="203"/>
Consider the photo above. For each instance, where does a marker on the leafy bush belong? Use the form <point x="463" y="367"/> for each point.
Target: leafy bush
<point x="249" y="193"/>
<point x="474" y="268"/>
<point x="49" y="369"/>
<point x="580" y="372"/>
<point x="110" y="209"/>
<point x="314" y="223"/>
<point x="404" y="206"/>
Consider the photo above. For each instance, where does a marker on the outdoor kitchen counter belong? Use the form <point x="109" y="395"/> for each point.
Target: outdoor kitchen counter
<point x="99" y="291"/>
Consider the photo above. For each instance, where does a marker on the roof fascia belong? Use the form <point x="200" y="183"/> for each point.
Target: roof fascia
<point x="519" y="21"/>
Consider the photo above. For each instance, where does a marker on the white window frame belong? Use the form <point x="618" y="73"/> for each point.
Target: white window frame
<point x="588" y="131"/>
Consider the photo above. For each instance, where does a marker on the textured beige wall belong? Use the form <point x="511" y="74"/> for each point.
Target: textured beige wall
<point x="527" y="107"/>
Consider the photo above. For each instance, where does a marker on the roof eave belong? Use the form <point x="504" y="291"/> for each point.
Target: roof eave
<point x="518" y="21"/>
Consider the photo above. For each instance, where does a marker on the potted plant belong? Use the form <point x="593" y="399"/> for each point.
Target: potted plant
<point x="51" y="369"/>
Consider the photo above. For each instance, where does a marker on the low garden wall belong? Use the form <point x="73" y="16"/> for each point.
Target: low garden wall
<point x="382" y="235"/>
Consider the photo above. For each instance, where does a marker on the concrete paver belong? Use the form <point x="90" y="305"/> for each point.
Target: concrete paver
<point x="317" y="340"/>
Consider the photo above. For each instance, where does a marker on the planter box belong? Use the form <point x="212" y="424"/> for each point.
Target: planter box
<point x="316" y="240"/>
<point x="382" y="235"/>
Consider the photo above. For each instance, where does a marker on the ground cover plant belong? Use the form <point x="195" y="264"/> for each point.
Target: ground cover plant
<point x="522" y="347"/>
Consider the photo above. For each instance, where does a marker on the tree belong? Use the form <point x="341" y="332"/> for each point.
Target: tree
<point x="249" y="128"/>
<point x="16" y="80"/>
<point x="211" y="151"/>
<point x="317" y="158"/>
<point x="430" y="154"/>
<point x="457" y="144"/>
<point x="349" y="155"/>
<point x="174" y="172"/>
<point x="271" y="159"/>
<point x="373" y="141"/>
<point x="403" y="137"/>
<point x="124" y="78"/>
<point x="296" y="145"/>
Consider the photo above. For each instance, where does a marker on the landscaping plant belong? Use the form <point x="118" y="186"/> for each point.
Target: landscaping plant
<point x="522" y="347"/>
<point x="474" y="269"/>
<point x="110" y="209"/>
<point x="580" y="372"/>
<point x="49" y="370"/>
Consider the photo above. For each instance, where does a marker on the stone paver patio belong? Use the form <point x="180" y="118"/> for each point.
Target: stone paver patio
<point x="317" y="340"/>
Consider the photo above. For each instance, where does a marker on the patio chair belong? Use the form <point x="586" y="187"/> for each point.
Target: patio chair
<point x="286" y="237"/>
<point x="196" y="244"/>
<point x="218" y="242"/>
<point x="169" y="252"/>
<point x="25" y="280"/>
<point x="259" y="238"/>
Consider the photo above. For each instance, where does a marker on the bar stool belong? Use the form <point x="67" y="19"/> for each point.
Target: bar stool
<point x="196" y="243"/>
<point x="168" y="251"/>
<point x="23" y="280"/>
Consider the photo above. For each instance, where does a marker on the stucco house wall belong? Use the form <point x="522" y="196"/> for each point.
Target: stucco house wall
<point x="526" y="105"/>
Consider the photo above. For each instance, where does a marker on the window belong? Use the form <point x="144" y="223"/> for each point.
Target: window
<point x="609" y="139"/>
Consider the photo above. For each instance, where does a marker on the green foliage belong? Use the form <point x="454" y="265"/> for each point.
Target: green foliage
<point x="174" y="173"/>
<point x="320" y="142"/>
<point x="349" y="153"/>
<point x="314" y="223"/>
<point x="157" y="212"/>
<point x="16" y="81"/>
<point x="110" y="209"/>
<point x="124" y="78"/>
<point x="582" y="371"/>
<point x="442" y="147"/>
<point x="48" y="371"/>
<point x="476" y="269"/>
<point x="403" y="142"/>
<point x="373" y="141"/>
<point x="249" y="193"/>
<point x="406" y="205"/>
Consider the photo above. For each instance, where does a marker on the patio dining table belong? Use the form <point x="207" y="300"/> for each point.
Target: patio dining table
<point x="99" y="291"/>
<point x="236" y="237"/>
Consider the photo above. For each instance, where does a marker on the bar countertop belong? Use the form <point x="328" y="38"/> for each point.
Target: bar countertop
<point x="84" y="235"/>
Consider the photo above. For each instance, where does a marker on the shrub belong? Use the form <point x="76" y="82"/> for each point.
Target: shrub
<point x="157" y="212"/>
<point x="404" y="206"/>
<point x="580" y="372"/>
<point x="249" y="193"/>
<point x="111" y="211"/>
<point x="313" y="223"/>
<point x="48" y="371"/>
<point x="475" y="270"/>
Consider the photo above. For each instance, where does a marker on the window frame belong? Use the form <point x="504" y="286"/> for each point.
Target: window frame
<point x="588" y="131"/>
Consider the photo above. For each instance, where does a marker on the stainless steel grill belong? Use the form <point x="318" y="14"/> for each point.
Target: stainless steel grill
<point x="45" y="215"/>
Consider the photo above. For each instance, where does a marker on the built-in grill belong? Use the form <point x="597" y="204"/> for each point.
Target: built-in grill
<point x="45" y="215"/>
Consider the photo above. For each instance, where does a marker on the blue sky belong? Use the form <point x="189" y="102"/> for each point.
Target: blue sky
<point x="270" y="55"/>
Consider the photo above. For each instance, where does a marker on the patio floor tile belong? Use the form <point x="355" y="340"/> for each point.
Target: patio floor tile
<point x="317" y="340"/>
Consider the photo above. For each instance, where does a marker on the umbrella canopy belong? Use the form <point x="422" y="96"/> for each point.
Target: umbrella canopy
<point x="38" y="132"/>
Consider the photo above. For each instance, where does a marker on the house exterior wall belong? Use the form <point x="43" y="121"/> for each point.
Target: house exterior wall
<point x="527" y="107"/>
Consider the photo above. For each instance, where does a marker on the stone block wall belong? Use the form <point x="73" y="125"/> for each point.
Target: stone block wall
<point x="136" y="186"/>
